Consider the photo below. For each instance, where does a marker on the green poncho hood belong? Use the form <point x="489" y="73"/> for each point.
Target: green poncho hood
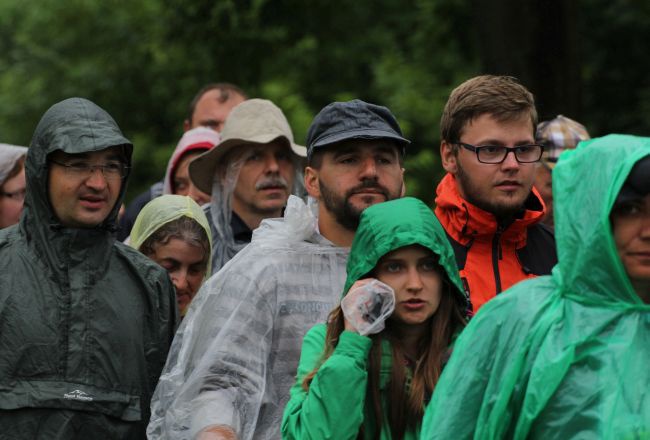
<point x="388" y="226"/>
<point x="566" y="355"/>
<point x="589" y="269"/>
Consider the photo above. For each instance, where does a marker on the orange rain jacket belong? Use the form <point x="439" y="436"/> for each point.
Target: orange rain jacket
<point x="492" y="257"/>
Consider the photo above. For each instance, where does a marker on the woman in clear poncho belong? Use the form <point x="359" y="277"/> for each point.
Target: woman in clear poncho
<point x="566" y="355"/>
<point x="369" y="377"/>
<point x="173" y="231"/>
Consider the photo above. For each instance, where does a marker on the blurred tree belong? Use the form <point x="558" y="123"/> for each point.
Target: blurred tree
<point x="144" y="61"/>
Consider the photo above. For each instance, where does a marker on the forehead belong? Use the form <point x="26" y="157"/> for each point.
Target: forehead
<point x="414" y="251"/>
<point x="488" y="127"/>
<point x="111" y="153"/>
<point x="362" y="146"/>
<point x="211" y="102"/>
<point x="273" y="147"/>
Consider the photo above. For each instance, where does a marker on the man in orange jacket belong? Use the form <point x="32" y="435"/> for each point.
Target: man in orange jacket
<point x="486" y="202"/>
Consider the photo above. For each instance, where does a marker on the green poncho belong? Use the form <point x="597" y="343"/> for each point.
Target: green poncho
<point x="561" y="356"/>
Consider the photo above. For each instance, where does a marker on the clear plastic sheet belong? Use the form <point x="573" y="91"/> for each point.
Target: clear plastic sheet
<point x="235" y="355"/>
<point x="367" y="306"/>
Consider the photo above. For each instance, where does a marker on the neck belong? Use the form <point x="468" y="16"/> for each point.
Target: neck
<point x="332" y="230"/>
<point x="643" y="290"/>
<point x="410" y="336"/>
<point x="253" y="219"/>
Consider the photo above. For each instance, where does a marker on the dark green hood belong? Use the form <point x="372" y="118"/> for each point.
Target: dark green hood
<point x="73" y="126"/>
<point x="589" y="269"/>
<point x="388" y="226"/>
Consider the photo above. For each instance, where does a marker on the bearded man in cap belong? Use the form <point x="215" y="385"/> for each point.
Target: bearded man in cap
<point x="235" y="356"/>
<point x="249" y="175"/>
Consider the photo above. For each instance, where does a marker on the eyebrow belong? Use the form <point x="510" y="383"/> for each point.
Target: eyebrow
<point x="499" y="143"/>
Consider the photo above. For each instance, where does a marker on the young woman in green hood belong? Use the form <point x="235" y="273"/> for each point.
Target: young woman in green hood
<point x="375" y="386"/>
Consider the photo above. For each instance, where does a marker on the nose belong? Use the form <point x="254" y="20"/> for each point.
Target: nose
<point x="179" y="279"/>
<point x="645" y="227"/>
<point x="272" y="165"/>
<point x="510" y="162"/>
<point x="368" y="168"/>
<point x="96" y="180"/>
<point x="414" y="281"/>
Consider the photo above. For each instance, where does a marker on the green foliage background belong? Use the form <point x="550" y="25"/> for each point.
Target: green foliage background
<point x="143" y="62"/>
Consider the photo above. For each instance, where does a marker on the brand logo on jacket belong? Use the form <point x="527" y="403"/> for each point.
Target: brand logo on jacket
<point x="78" y="395"/>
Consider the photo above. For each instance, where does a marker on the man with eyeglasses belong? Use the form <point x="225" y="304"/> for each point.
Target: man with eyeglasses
<point x="486" y="202"/>
<point x="86" y="321"/>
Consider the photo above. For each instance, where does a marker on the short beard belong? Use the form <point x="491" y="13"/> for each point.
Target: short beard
<point x="500" y="211"/>
<point x="345" y="214"/>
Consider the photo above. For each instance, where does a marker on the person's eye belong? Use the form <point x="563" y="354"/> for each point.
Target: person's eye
<point x="525" y="148"/>
<point x="113" y="167"/>
<point x="347" y="160"/>
<point x="628" y="209"/>
<point x="429" y="264"/>
<point x="491" y="149"/>
<point x="196" y="269"/>
<point x="392" y="267"/>
<point x="254" y="157"/>
<point x="79" y="166"/>
<point x="385" y="159"/>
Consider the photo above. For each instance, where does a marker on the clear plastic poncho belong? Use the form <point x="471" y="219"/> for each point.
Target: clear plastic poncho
<point x="566" y="355"/>
<point x="165" y="209"/>
<point x="235" y="356"/>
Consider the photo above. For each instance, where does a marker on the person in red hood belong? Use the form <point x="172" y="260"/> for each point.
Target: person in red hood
<point x="486" y="202"/>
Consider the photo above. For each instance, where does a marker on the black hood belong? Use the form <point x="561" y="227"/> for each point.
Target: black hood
<point x="73" y="126"/>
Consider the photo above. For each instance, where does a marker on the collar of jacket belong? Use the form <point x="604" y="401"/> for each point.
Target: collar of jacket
<point x="466" y="222"/>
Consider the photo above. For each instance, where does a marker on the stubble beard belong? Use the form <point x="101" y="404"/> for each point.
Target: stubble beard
<point x="473" y="196"/>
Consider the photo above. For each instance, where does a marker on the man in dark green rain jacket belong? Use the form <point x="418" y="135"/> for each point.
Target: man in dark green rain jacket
<point x="85" y="322"/>
<point x="567" y="355"/>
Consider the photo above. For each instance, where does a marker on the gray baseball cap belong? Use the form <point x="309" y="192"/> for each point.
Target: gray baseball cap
<point x="354" y="119"/>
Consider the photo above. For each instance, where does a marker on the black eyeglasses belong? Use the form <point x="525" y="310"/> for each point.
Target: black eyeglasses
<point x="111" y="170"/>
<point x="496" y="154"/>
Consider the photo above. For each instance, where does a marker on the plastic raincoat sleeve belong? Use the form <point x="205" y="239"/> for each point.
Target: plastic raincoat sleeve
<point x="334" y="406"/>
<point x="230" y="379"/>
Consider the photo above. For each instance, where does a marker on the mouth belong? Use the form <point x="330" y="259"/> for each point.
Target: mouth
<point x="508" y="185"/>
<point x="413" y="304"/>
<point x="92" y="201"/>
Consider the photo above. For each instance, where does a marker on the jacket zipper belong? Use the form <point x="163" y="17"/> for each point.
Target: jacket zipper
<point x="496" y="256"/>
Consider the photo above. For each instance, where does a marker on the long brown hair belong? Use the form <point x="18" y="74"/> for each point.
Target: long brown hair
<point x="405" y="403"/>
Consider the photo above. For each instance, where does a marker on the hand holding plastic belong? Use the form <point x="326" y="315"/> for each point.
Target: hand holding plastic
<point x="367" y="305"/>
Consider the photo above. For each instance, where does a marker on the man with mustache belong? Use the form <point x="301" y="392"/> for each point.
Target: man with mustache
<point x="486" y="202"/>
<point x="235" y="356"/>
<point x="249" y="175"/>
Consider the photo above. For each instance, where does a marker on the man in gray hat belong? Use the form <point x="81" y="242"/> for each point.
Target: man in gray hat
<point x="235" y="356"/>
<point x="249" y="175"/>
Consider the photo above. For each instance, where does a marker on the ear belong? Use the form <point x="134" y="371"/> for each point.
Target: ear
<point x="403" y="192"/>
<point x="449" y="157"/>
<point x="186" y="125"/>
<point x="312" y="184"/>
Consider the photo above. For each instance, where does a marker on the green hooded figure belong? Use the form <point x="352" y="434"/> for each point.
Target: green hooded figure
<point x="353" y="386"/>
<point x="566" y="355"/>
<point x="85" y="321"/>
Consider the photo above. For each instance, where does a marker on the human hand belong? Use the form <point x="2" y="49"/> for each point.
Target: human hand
<point x="367" y="305"/>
